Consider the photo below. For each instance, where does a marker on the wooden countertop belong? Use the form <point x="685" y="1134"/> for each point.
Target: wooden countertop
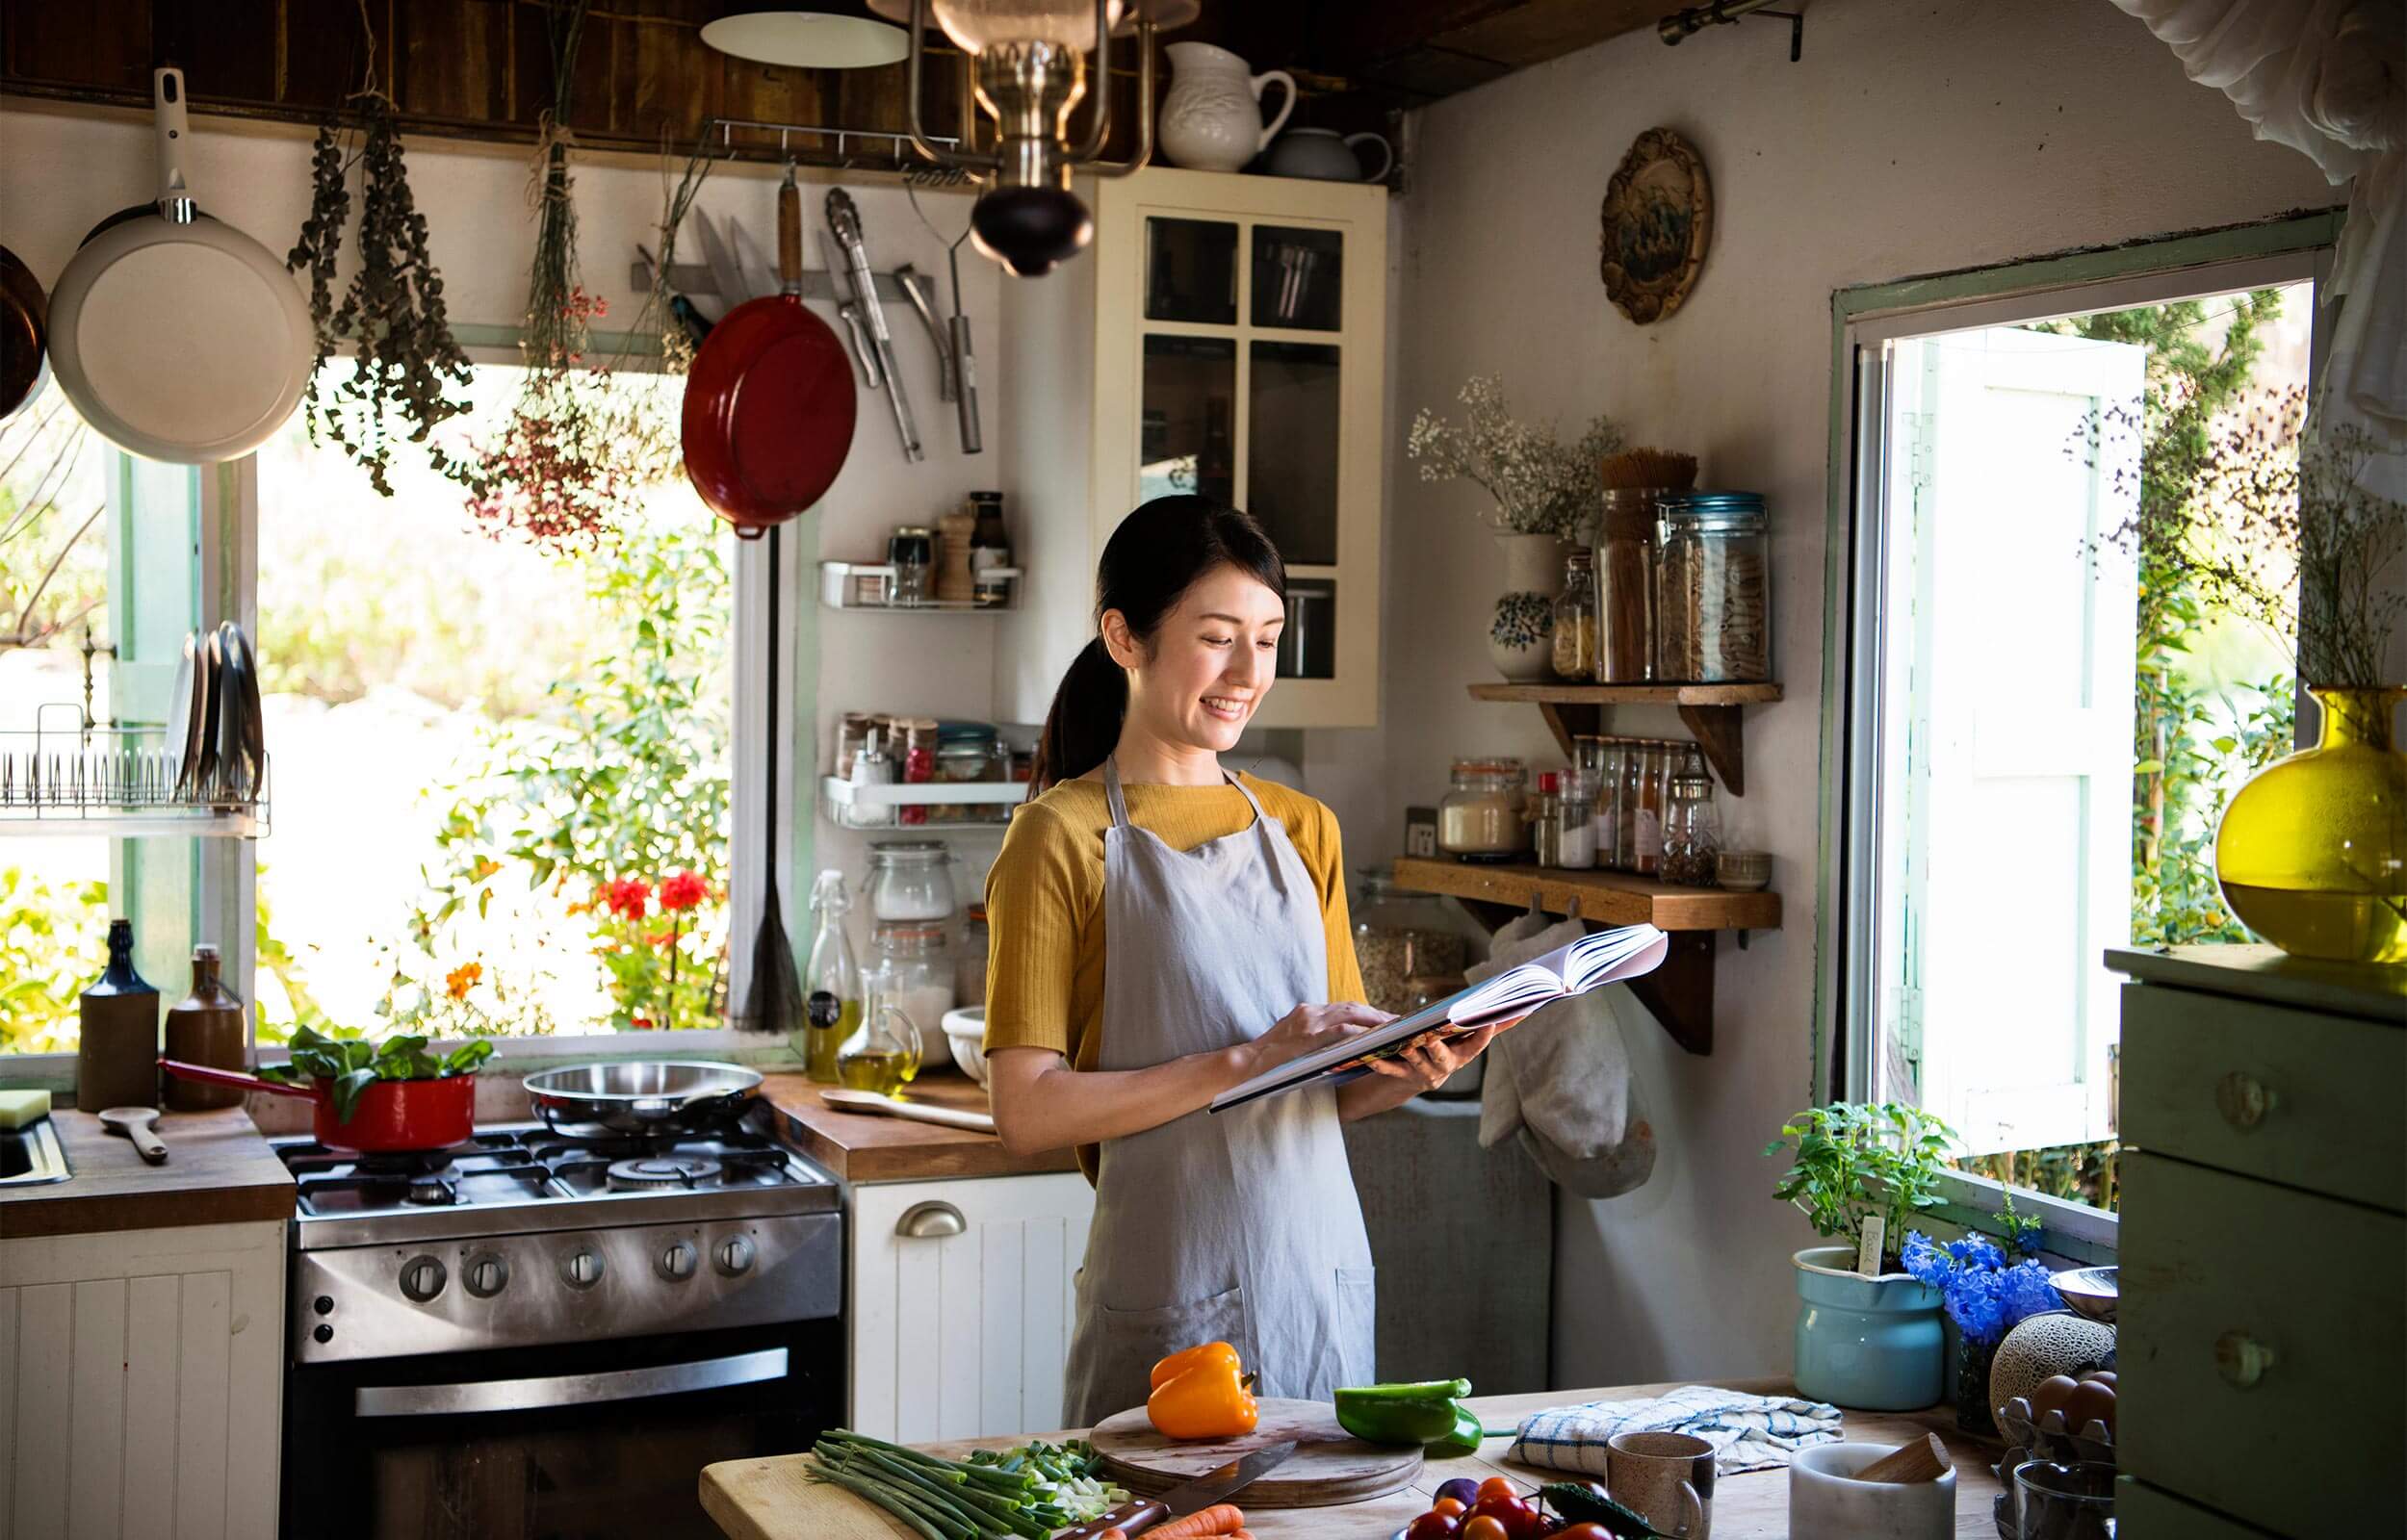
<point x="219" y="1171"/>
<point x="866" y="1147"/>
<point x="769" y="1498"/>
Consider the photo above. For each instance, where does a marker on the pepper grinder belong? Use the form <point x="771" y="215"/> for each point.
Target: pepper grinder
<point x="205" y="1028"/>
<point x="116" y="1049"/>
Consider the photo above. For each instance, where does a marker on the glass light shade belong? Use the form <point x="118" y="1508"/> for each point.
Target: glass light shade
<point x="977" y="25"/>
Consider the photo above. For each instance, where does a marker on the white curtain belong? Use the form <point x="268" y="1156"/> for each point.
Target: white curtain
<point x="2327" y="78"/>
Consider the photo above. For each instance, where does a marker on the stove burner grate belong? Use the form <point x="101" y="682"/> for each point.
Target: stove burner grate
<point x="650" y="1172"/>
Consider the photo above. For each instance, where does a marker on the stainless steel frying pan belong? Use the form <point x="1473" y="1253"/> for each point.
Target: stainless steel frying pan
<point x="638" y="1095"/>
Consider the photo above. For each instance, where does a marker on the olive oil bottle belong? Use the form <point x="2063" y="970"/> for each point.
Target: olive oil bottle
<point x="830" y="1006"/>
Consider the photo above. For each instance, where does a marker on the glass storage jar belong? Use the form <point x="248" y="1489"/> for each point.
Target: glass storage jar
<point x="1691" y="828"/>
<point x="1712" y="588"/>
<point x="1575" y="619"/>
<point x="1624" y="569"/>
<point x="969" y="968"/>
<point x="917" y="962"/>
<point x="1484" y="816"/>
<point x="911" y="880"/>
<point x="1400" y="935"/>
<point x="1546" y="815"/>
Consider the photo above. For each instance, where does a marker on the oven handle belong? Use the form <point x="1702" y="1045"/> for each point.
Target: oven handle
<point x="568" y="1389"/>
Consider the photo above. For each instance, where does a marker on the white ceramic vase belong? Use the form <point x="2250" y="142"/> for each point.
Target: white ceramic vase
<point x="1212" y="119"/>
<point x="1533" y="564"/>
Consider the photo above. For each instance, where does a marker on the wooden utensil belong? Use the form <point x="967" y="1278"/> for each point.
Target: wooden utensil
<point x="1924" y="1459"/>
<point x="869" y="1101"/>
<point x="1329" y="1466"/>
<point x="139" y="1124"/>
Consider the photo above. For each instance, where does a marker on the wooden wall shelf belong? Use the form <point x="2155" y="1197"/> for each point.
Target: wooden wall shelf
<point x="1709" y="712"/>
<point x="1680" y="994"/>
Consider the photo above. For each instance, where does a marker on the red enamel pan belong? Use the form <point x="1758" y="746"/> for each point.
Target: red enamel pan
<point x="769" y="404"/>
<point x="392" y="1117"/>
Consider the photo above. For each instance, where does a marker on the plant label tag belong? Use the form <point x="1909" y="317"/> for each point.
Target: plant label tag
<point x="1868" y="1249"/>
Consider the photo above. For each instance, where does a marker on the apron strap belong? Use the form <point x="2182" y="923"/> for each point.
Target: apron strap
<point x="1111" y="791"/>
<point x="1247" y="792"/>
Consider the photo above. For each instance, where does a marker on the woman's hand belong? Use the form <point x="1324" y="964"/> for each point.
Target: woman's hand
<point x="1307" y="1028"/>
<point x="1429" y="1060"/>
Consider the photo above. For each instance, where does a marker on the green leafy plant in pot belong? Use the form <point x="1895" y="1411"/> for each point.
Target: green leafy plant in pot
<point x="1874" y="1341"/>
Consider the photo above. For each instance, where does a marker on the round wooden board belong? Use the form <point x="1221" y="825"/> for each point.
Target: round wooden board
<point x="1330" y="1465"/>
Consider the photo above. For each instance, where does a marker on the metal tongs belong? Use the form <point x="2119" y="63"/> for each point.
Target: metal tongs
<point x="865" y="318"/>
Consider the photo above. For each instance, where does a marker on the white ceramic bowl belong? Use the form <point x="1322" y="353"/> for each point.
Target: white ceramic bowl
<point x="965" y="1033"/>
<point x="1825" y="1502"/>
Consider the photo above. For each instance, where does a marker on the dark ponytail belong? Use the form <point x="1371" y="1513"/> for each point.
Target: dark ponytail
<point x="1156" y="554"/>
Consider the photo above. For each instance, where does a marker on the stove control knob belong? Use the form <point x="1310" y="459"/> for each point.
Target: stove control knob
<point x="422" y="1278"/>
<point x="582" y="1268"/>
<point x="324" y="1305"/>
<point x="735" y="1255"/>
<point x="677" y="1261"/>
<point x="486" y="1275"/>
<point x="324" y="1334"/>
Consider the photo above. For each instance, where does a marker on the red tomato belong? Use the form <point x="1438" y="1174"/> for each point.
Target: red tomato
<point x="1499" y="1486"/>
<point x="1449" y="1508"/>
<point x="1435" y="1526"/>
<point x="1584" y="1531"/>
<point x="1484" y="1526"/>
<point x="1518" y="1519"/>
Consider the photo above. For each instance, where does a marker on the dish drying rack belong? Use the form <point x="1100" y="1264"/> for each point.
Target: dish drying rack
<point x="123" y="781"/>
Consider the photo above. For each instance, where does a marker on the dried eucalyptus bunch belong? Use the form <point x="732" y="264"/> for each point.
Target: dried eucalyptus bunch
<point x="407" y="362"/>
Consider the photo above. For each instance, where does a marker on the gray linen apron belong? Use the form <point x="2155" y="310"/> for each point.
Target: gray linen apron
<point x="1241" y="1228"/>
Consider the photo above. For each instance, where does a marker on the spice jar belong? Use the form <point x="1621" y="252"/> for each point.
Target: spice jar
<point x="1483" y="817"/>
<point x="852" y="735"/>
<point x="1400" y="937"/>
<point x="1692" y="828"/>
<point x="910" y="880"/>
<point x="911" y="551"/>
<point x="1545" y="813"/>
<point x="989" y="548"/>
<point x="1575" y="619"/>
<point x="1577" y="851"/>
<point x="1712" y="588"/>
<point x="1648" y="827"/>
<point x="1633" y="779"/>
<point x="918" y="764"/>
<point x="1624" y="576"/>
<point x="1609" y="804"/>
<point x="871" y="766"/>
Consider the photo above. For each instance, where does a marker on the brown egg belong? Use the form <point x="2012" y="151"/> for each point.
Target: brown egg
<point x="2090" y="1401"/>
<point x="2051" y="1393"/>
<point x="2099" y="1376"/>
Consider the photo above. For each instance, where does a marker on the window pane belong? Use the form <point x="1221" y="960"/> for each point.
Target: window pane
<point x="501" y="772"/>
<point x="1187" y="443"/>
<point x="1191" y="271"/>
<point x="1299" y="277"/>
<point x="1291" y="448"/>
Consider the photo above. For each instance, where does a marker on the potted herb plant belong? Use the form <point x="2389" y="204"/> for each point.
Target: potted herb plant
<point x="1872" y="1341"/>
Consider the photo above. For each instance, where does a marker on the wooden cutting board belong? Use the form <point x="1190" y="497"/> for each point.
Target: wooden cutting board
<point x="1330" y="1465"/>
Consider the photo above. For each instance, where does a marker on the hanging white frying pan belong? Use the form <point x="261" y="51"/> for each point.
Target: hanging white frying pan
<point x="178" y="337"/>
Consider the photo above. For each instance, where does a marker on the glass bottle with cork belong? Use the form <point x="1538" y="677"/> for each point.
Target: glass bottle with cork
<point x="832" y="1000"/>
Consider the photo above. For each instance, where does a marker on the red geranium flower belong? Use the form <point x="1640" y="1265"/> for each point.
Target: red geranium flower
<point x="684" y="890"/>
<point x="627" y="897"/>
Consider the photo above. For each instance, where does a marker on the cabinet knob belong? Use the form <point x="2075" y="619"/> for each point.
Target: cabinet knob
<point x="2242" y="1100"/>
<point x="2241" y="1359"/>
<point x="931" y="1220"/>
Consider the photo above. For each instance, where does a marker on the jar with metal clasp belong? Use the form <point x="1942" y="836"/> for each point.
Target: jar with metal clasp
<point x="911" y="881"/>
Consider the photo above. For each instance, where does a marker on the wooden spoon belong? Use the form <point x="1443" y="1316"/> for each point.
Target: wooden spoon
<point x="137" y="1124"/>
<point x="1926" y="1459"/>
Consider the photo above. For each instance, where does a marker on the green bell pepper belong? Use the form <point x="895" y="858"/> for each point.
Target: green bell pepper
<point x="1414" y="1413"/>
<point x="1466" y="1437"/>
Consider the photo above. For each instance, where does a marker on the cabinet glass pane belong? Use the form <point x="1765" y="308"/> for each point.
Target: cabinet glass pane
<point x="1299" y="277"/>
<point x="1191" y="271"/>
<point x="1307" y="646"/>
<point x="1291" y="448"/>
<point x="1187" y="442"/>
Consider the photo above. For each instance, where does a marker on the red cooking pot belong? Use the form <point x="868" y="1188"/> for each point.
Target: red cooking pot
<point x="392" y="1117"/>
<point x="770" y="403"/>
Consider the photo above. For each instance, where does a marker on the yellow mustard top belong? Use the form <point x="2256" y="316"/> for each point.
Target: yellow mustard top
<point x="1045" y="904"/>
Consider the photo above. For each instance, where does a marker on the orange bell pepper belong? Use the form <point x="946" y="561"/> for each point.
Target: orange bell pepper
<point x="1179" y="1363"/>
<point x="1209" y="1400"/>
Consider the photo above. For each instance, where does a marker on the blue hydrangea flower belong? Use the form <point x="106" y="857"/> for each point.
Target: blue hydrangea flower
<point x="1978" y="1253"/>
<point x="1974" y="1305"/>
<point x="2024" y="1291"/>
<point x="1927" y="1263"/>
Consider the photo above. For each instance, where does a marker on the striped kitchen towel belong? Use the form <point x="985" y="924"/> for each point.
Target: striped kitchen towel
<point x="1747" y="1432"/>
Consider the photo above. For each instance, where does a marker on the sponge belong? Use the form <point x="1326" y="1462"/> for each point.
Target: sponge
<point x="18" y="1108"/>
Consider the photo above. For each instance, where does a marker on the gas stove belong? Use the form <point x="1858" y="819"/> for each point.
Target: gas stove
<point x="522" y="1237"/>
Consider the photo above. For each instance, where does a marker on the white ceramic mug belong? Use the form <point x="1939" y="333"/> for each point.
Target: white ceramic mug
<point x="1827" y="1503"/>
<point x="1212" y="119"/>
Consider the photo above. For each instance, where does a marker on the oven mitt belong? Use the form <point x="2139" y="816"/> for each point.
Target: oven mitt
<point x="1561" y="1081"/>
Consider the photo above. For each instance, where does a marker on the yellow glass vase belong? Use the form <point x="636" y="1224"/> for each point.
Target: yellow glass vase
<point x="2312" y="853"/>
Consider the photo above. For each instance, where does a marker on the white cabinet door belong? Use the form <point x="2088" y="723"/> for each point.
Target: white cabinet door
<point x="959" y="1304"/>
<point x="142" y="1381"/>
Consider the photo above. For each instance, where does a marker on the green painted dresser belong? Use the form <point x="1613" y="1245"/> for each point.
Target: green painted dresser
<point x="2263" y="1251"/>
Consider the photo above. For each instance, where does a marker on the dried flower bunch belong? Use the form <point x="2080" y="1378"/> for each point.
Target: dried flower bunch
<point x="407" y="361"/>
<point x="1542" y="486"/>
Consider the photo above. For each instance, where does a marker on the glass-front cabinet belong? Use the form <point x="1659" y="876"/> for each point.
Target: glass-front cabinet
<point x="1224" y="336"/>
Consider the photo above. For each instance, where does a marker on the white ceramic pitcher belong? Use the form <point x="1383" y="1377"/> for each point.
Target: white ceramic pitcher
<point x="1212" y="119"/>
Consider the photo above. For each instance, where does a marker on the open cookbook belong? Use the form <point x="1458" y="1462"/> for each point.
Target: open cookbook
<point x="1606" y="957"/>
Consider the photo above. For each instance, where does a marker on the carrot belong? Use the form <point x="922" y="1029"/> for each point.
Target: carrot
<point x="1220" y="1518"/>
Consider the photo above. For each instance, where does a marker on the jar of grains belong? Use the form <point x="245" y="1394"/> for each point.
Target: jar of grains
<point x="1712" y="588"/>
<point x="1482" y="818"/>
<point x="1399" y="937"/>
<point x="1575" y="619"/>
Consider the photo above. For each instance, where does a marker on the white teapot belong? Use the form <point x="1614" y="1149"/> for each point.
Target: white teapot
<point x="1324" y="155"/>
<point x="1212" y="119"/>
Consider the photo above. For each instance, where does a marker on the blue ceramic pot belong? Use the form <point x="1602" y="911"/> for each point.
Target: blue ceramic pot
<point x="1874" y="1345"/>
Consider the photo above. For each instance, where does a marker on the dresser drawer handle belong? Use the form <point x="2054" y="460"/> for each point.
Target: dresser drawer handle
<point x="931" y="1220"/>
<point x="2241" y="1359"/>
<point x="2243" y="1100"/>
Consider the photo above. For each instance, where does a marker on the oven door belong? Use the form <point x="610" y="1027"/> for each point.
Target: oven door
<point x="571" y="1443"/>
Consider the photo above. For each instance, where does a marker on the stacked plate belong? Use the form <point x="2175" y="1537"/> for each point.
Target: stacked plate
<point x="217" y="739"/>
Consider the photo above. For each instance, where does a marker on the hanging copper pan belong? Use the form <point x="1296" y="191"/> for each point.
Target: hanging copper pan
<point x="24" y="335"/>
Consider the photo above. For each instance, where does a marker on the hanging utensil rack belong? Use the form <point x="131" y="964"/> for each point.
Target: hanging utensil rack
<point x="118" y="782"/>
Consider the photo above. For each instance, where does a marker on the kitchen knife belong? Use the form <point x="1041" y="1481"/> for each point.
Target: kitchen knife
<point x="725" y="276"/>
<point x="1213" y="1486"/>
